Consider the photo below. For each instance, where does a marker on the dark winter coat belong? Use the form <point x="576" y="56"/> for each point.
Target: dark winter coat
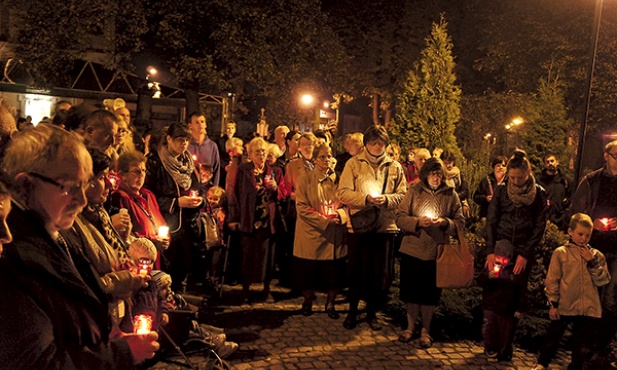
<point x="523" y="226"/>
<point x="559" y="189"/>
<point x="243" y="203"/>
<point x="584" y="200"/>
<point x="485" y="188"/>
<point x="51" y="317"/>
<point x="167" y="192"/>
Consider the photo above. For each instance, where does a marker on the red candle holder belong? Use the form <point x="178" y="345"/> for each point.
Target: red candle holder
<point x="145" y="267"/>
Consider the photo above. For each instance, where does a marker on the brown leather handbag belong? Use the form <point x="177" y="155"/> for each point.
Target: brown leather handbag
<point x="455" y="264"/>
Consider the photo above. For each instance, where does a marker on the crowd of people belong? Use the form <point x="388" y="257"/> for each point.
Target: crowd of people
<point x="100" y="227"/>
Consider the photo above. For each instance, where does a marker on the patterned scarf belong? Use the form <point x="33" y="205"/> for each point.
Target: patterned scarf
<point x="179" y="168"/>
<point x="98" y="216"/>
<point x="522" y="195"/>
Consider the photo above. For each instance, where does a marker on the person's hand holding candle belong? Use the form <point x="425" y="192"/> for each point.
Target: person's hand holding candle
<point x="376" y="198"/>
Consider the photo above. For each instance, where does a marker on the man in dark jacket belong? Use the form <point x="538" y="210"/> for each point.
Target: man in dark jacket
<point x="559" y="189"/>
<point x="56" y="296"/>
<point x="596" y="196"/>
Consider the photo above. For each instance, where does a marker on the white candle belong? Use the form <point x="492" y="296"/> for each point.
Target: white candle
<point x="163" y="231"/>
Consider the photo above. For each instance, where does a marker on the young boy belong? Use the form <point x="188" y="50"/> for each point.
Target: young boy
<point x="171" y="301"/>
<point x="574" y="275"/>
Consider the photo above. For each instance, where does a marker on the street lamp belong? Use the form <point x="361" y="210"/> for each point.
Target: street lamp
<point x="307" y="100"/>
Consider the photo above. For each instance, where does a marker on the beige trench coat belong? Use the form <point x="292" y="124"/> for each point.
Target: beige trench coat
<point x="316" y="238"/>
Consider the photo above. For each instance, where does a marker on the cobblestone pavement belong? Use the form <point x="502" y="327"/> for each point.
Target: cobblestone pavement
<point x="276" y="336"/>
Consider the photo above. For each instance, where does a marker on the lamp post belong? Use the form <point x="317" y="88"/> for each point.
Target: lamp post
<point x="597" y="20"/>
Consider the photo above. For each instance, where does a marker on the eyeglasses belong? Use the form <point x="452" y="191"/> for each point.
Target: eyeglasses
<point x="138" y="171"/>
<point x="614" y="156"/>
<point x="324" y="157"/>
<point x="122" y="131"/>
<point x="65" y="189"/>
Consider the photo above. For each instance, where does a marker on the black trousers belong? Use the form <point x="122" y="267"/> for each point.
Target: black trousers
<point x="371" y="268"/>
<point x="584" y="330"/>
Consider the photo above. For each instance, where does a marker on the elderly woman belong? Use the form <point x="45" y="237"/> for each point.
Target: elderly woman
<point x="487" y="186"/>
<point x="141" y="203"/>
<point x="171" y="175"/>
<point x="371" y="178"/>
<point x="430" y="211"/>
<point x="515" y="225"/>
<point x="68" y="316"/>
<point x="252" y="213"/>
<point x="319" y="252"/>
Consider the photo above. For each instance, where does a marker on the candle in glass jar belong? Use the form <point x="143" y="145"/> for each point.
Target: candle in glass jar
<point x="604" y="222"/>
<point x="193" y="193"/>
<point x="194" y="158"/>
<point x="142" y="324"/>
<point x="163" y="231"/>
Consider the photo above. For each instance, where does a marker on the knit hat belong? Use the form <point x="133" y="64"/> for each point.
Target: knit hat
<point x="142" y="248"/>
<point x="161" y="278"/>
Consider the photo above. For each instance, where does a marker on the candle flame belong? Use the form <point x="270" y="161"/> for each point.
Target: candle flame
<point x="163" y="231"/>
<point x="142" y="324"/>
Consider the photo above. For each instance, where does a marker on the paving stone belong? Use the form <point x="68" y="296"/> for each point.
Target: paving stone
<point x="276" y="337"/>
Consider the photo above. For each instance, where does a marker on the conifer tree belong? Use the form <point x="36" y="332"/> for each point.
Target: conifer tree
<point x="428" y="107"/>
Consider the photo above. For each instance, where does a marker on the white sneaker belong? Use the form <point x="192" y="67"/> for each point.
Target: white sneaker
<point x="227" y="349"/>
<point x="538" y="367"/>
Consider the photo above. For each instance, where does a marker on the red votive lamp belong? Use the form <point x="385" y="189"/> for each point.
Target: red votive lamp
<point x="144" y="267"/>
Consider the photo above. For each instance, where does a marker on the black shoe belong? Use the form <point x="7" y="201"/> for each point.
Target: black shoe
<point x="331" y="311"/>
<point x="373" y="323"/>
<point x="350" y="321"/>
<point x="307" y="309"/>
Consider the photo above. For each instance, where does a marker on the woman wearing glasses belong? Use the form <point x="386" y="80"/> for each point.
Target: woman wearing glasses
<point x="429" y="213"/>
<point x="141" y="203"/>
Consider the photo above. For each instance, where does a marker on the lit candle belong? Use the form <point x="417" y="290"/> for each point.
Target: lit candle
<point x="329" y="208"/>
<point x="142" y="324"/>
<point x="163" y="232"/>
<point x="374" y="194"/>
<point x="496" y="267"/>
<point x="194" y="158"/>
<point x="193" y="193"/>
<point x="431" y="216"/>
<point x="605" y="222"/>
<point x="144" y="267"/>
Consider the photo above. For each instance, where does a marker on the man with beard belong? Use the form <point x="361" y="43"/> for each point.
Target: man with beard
<point x="559" y="189"/>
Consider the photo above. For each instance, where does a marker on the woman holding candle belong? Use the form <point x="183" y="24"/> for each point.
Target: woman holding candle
<point x="429" y="213"/>
<point x="319" y="251"/>
<point x="515" y="225"/>
<point x="251" y="211"/>
<point x="171" y="176"/>
<point x="141" y="203"/>
<point x="371" y="178"/>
